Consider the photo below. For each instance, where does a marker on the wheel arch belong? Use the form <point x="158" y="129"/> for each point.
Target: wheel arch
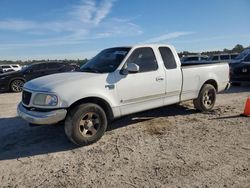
<point x="96" y="100"/>
<point x="211" y="82"/>
<point x="15" y="78"/>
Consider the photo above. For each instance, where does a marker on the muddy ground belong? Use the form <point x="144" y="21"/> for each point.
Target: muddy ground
<point x="174" y="146"/>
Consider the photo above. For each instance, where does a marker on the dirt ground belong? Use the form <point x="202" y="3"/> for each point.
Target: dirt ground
<point x="174" y="146"/>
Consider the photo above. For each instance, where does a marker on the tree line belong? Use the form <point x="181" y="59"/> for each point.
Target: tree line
<point x="237" y="49"/>
<point x="28" y="62"/>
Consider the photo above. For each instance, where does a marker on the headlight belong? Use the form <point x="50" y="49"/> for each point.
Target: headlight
<point x="42" y="99"/>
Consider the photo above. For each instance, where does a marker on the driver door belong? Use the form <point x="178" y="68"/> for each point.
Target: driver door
<point x="142" y="90"/>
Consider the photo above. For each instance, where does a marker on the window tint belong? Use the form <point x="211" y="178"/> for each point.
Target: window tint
<point x="15" y="66"/>
<point x="168" y="58"/>
<point x="54" y="65"/>
<point x="247" y="59"/>
<point x="204" y="58"/>
<point x="224" y="57"/>
<point x="192" y="59"/>
<point x="215" y="58"/>
<point x="144" y="58"/>
<point x="38" y="67"/>
<point x="234" y="56"/>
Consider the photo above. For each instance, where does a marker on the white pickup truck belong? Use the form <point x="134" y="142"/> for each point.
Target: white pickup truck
<point x="116" y="82"/>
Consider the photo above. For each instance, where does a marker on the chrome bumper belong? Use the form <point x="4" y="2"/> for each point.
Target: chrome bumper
<point x="41" y="118"/>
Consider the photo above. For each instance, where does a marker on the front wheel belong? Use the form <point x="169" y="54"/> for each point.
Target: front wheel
<point x="16" y="85"/>
<point x="206" y="99"/>
<point x="85" y="124"/>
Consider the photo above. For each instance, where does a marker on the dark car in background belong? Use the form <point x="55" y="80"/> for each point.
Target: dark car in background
<point x="14" y="81"/>
<point x="193" y="59"/>
<point x="240" y="68"/>
<point x="219" y="58"/>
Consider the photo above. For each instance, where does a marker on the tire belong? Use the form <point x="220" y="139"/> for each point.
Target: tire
<point x="16" y="85"/>
<point x="206" y="99"/>
<point x="85" y="124"/>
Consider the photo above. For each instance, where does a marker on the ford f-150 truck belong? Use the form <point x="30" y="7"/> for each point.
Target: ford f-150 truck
<point x="116" y="82"/>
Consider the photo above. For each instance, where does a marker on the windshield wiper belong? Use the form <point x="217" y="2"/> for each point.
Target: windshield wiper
<point x="88" y="69"/>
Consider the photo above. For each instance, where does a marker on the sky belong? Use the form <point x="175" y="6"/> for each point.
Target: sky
<point x="77" y="29"/>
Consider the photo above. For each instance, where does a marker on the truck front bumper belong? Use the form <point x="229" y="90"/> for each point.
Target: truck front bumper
<point x="41" y="118"/>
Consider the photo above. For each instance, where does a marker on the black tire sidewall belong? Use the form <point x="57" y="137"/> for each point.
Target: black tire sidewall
<point x="207" y="87"/>
<point x="72" y="124"/>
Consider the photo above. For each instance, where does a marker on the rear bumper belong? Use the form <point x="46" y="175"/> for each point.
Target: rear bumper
<point x="41" y="118"/>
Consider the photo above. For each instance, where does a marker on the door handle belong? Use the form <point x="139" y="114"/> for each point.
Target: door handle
<point x="158" y="79"/>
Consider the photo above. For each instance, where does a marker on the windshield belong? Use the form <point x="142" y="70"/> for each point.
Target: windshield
<point x="241" y="55"/>
<point x="25" y="68"/>
<point x="106" y="61"/>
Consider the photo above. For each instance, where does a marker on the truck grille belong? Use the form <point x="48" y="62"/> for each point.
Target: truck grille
<point x="26" y="97"/>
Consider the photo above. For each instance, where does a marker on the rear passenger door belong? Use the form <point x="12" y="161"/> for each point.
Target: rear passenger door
<point x="173" y="76"/>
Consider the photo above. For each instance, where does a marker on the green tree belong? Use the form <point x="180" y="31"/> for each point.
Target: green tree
<point x="238" y="48"/>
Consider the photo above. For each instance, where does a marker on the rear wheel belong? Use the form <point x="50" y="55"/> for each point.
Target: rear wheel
<point x="85" y="124"/>
<point x="16" y="85"/>
<point x="206" y="99"/>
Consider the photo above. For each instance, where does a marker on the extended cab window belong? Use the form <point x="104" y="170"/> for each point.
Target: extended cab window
<point x="168" y="58"/>
<point x="144" y="58"/>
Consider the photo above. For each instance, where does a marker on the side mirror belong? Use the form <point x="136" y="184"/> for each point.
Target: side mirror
<point x="130" y="68"/>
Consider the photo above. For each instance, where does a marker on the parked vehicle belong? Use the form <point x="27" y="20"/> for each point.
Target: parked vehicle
<point x="6" y="68"/>
<point x="16" y="67"/>
<point x="240" y="68"/>
<point x="116" y="82"/>
<point x="221" y="58"/>
<point x="14" y="81"/>
<point x="193" y="59"/>
<point x="9" y="68"/>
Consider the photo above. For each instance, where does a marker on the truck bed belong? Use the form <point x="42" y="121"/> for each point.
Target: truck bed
<point x="194" y="76"/>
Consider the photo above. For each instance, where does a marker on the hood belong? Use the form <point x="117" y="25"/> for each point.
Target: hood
<point x="52" y="83"/>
